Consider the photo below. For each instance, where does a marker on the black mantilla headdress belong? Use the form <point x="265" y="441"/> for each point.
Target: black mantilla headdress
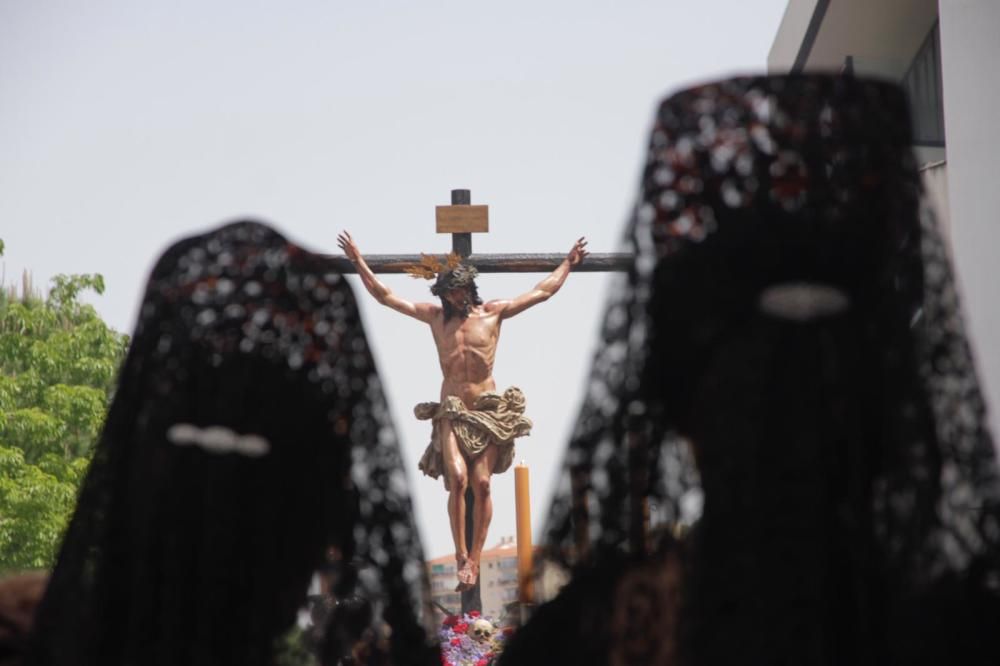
<point x="835" y="468"/>
<point x="248" y="446"/>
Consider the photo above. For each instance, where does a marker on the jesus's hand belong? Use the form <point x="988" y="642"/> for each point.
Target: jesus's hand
<point x="578" y="253"/>
<point x="349" y="247"/>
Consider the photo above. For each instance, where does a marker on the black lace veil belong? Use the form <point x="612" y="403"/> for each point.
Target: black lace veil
<point x="248" y="446"/>
<point x="784" y="373"/>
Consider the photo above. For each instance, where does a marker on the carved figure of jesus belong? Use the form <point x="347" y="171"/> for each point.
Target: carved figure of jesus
<point x="474" y="427"/>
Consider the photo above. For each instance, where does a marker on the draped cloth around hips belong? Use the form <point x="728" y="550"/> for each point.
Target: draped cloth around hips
<point x="494" y="420"/>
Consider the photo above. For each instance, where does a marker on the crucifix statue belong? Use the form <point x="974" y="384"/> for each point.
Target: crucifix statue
<point x="473" y="426"/>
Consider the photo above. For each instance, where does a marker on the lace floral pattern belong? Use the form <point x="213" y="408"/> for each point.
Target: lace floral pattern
<point x="836" y="468"/>
<point x="248" y="446"/>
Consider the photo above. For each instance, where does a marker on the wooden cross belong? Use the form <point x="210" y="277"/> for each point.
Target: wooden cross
<point x="461" y="220"/>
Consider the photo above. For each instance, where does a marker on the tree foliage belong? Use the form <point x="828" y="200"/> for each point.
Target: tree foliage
<point x="58" y="361"/>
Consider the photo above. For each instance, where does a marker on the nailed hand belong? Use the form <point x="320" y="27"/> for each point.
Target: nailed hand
<point x="348" y="245"/>
<point x="578" y="253"/>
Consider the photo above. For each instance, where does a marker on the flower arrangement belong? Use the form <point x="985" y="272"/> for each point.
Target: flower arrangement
<point x="471" y="640"/>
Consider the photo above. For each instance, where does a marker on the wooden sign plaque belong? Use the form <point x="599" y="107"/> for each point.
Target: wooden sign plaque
<point x="462" y="219"/>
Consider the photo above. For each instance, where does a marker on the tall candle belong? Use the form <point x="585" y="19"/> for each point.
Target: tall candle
<point x="523" y="507"/>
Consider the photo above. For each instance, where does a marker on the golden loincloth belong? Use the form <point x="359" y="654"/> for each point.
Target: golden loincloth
<point x="493" y="420"/>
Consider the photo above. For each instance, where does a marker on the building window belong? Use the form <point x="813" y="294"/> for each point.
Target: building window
<point x="922" y="82"/>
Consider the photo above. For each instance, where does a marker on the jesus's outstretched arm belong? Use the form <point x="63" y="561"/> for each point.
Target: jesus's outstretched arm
<point x="545" y="289"/>
<point x="422" y="311"/>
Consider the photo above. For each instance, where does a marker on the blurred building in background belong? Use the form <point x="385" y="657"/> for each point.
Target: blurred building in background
<point x="947" y="56"/>
<point x="497" y="580"/>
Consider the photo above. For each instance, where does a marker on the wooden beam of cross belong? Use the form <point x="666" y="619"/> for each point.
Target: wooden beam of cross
<point x="461" y="220"/>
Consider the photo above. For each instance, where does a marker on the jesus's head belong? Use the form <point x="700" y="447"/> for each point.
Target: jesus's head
<point x="457" y="290"/>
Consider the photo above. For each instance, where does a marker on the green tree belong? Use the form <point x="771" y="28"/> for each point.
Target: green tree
<point x="58" y="362"/>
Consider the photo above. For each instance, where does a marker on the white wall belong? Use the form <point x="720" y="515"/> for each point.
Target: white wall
<point x="791" y="32"/>
<point x="881" y="35"/>
<point x="970" y="51"/>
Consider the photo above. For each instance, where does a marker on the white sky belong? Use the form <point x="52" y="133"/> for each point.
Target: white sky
<point x="127" y="124"/>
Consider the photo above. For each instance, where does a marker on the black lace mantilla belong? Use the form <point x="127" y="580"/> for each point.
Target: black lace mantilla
<point x="248" y="446"/>
<point x="784" y="378"/>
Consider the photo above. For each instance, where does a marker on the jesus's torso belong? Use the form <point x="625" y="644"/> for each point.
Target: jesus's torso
<point x="466" y="350"/>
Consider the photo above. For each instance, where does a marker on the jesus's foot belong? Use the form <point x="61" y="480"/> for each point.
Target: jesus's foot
<point x="462" y="565"/>
<point x="468" y="572"/>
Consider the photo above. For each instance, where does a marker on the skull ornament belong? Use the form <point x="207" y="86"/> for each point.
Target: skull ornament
<point x="481" y="630"/>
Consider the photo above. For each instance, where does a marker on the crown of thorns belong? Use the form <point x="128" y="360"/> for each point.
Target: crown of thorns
<point x="449" y="274"/>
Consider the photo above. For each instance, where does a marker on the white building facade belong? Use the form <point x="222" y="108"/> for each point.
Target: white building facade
<point x="947" y="56"/>
<point x="498" y="587"/>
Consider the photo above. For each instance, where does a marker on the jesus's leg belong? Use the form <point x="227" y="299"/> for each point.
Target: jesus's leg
<point x="457" y="476"/>
<point x="482" y="470"/>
